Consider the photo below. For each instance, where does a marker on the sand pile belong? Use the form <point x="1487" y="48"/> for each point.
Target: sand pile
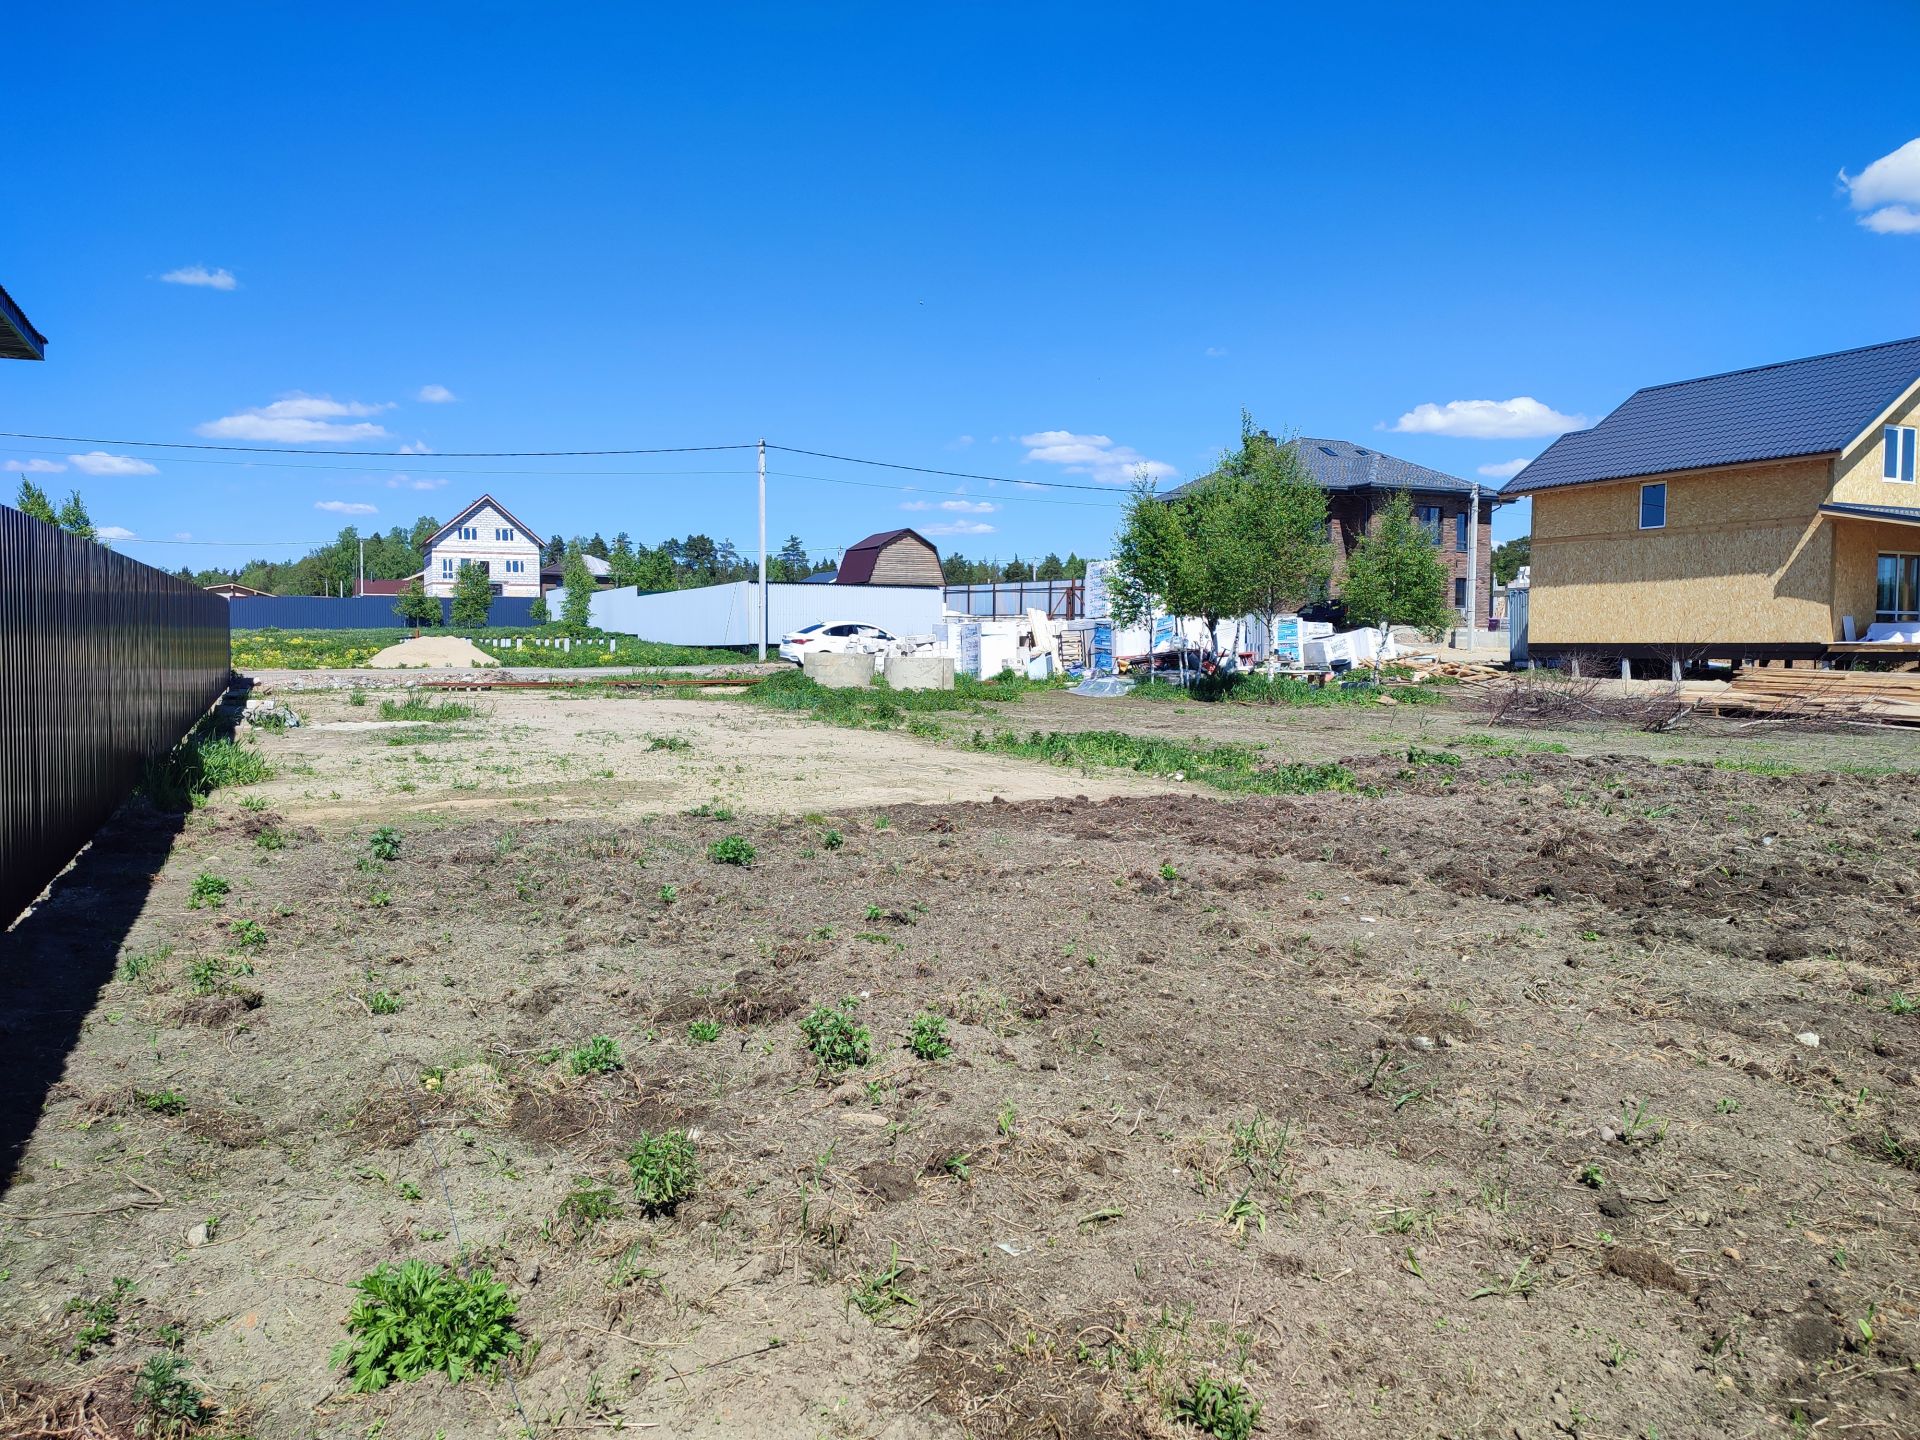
<point x="424" y="650"/>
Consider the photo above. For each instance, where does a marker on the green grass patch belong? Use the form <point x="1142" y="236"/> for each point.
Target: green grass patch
<point x="200" y="764"/>
<point x="879" y="707"/>
<point x="431" y="712"/>
<point x="1222" y="765"/>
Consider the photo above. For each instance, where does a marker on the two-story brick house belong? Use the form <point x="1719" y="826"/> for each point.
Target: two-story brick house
<point x="487" y="534"/>
<point x="1359" y="482"/>
<point x="1770" y="513"/>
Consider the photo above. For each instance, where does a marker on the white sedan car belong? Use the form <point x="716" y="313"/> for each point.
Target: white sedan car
<point x="835" y="638"/>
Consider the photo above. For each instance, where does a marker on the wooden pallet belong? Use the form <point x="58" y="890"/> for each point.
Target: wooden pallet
<point x="1845" y="695"/>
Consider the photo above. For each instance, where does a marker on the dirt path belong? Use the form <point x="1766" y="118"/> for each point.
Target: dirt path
<point x="552" y="755"/>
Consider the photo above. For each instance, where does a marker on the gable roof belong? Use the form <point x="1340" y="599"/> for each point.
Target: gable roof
<point x="1342" y="465"/>
<point x="1771" y="412"/>
<point x="856" y="566"/>
<point x="526" y="531"/>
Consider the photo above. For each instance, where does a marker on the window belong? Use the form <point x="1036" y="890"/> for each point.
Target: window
<point x="1460" y="531"/>
<point x="1897" y="593"/>
<point x="446" y="567"/>
<point x="1460" y="593"/>
<point x="1653" y="506"/>
<point x="1429" y="517"/>
<point x="514" y="567"/>
<point x="1897" y="461"/>
<point x="501" y="534"/>
<point x="469" y="532"/>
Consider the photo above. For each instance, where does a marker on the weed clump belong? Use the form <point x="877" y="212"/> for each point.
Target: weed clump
<point x="416" y="1319"/>
<point x="1222" y="1409"/>
<point x="927" y="1036"/>
<point x="664" y="1170"/>
<point x="597" y="1056"/>
<point x="172" y="1404"/>
<point x="834" y="1038"/>
<point x="731" y="851"/>
<point x="418" y="708"/>
<point x="209" y="891"/>
<point x="703" y="1032"/>
<point x="385" y="844"/>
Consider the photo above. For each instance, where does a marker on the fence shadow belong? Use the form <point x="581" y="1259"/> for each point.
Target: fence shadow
<point x="55" y="961"/>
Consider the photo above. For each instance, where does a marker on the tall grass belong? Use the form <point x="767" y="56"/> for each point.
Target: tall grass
<point x="200" y="764"/>
<point x="418" y="707"/>
<point x="1221" y="765"/>
<point x="1258" y="689"/>
<point x="879" y="707"/>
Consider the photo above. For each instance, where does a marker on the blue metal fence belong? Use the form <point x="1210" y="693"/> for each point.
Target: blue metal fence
<point x="356" y="612"/>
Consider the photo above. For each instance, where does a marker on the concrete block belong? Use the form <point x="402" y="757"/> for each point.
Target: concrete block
<point x="920" y="672"/>
<point x="839" y="672"/>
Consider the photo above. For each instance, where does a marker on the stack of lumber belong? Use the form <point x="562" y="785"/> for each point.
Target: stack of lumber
<point x="1842" y="695"/>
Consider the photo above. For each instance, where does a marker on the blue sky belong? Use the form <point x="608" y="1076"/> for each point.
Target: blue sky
<point x="1044" y="241"/>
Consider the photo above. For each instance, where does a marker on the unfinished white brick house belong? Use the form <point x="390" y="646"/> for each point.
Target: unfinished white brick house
<point x="486" y="533"/>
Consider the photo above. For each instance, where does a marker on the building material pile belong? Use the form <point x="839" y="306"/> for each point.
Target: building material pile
<point x="1856" y="696"/>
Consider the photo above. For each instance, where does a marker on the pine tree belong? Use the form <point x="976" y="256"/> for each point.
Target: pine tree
<point x="32" y="502"/>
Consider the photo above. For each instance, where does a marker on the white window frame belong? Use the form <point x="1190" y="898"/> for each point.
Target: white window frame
<point x="1661" y="486"/>
<point x="446" y="567"/>
<point x="1897" y="454"/>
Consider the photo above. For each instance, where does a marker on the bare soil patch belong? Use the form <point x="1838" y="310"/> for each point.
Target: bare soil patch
<point x="1524" y="1093"/>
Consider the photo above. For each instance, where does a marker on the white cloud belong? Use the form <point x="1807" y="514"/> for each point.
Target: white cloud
<point x="959" y="527"/>
<point x="221" y="279"/>
<point x="1505" y="470"/>
<point x="298" y="418"/>
<point x="415" y="482"/>
<point x="346" y="507"/>
<point x="960" y="442"/>
<point x="1888" y="192"/>
<point x="1093" y="455"/>
<point x="1216" y="352"/>
<point x="956" y="507"/>
<point x="416" y="447"/>
<point x="436" y="395"/>
<point x="113" y="532"/>
<point x="99" y="462"/>
<point x="35" y="467"/>
<point x="1520" y="418"/>
<point x="183" y="534"/>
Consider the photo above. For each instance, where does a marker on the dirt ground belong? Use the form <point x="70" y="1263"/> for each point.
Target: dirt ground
<point x="1546" y="1084"/>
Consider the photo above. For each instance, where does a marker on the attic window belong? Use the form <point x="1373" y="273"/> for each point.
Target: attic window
<point x="1897" y="461"/>
<point x="1329" y="450"/>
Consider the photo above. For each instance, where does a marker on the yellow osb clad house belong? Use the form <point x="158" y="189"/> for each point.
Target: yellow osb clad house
<point x="1770" y="513"/>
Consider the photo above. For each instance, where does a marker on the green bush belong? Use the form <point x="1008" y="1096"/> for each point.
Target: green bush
<point x="416" y="1319"/>
<point x="731" y="851"/>
<point x="664" y="1169"/>
<point x="927" y="1036"/>
<point x="834" y="1038"/>
<point x="385" y="844"/>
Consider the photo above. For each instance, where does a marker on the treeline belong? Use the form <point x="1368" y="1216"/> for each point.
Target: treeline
<point x="683" y="564"/>
<point x="959" y="570"/>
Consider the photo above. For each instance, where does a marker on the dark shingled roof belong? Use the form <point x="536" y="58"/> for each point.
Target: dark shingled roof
<point x="1342" y="465"/>
<point x="18" y="339"/>
<point x="1773" y="412"/>
<point x="856" y="566"/>
<point x="1898" y="514"/>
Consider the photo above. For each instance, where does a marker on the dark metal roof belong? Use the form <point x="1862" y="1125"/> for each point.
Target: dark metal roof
<point x="1814" y="406"/>
<point x="18" y="339"/>
<point x="1342" y="465"/>
<point x="856" y="566"/>
<point x="526" y="530"/>
<point x="1897" y="514"/>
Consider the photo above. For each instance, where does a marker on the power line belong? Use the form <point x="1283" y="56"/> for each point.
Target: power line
<point x="922" y="490"/>
<point x="424" y="461"/>
<point x="954" y="474"/>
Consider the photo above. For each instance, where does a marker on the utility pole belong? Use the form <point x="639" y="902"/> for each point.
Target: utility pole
<point x="763" y="550"/>
<point x="361" y="588"/>
<point x="1473" y="565"/>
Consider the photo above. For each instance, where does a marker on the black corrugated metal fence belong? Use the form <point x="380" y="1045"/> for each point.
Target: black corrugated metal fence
<point x="104" y="664"/>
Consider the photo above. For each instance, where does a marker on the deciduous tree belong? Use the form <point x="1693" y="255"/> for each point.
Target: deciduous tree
<point x="416" y="607"/>
<point x="472" y="597"/>
<point x="1395" y="575"/>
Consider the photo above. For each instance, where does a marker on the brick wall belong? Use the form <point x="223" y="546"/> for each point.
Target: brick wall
<point x="1350" y="514"/>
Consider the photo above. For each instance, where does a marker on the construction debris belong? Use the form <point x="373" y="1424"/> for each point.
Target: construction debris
<point x="1842" y="696"/>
